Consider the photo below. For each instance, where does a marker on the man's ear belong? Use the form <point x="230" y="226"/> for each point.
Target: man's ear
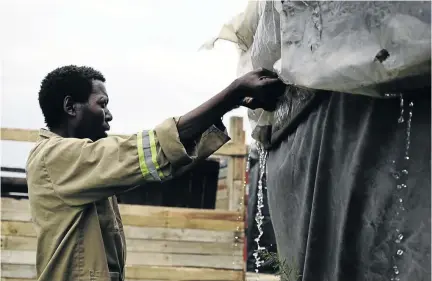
<point x="69" y="106"/>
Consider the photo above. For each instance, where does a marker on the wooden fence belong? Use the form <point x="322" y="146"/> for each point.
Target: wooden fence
<point x="162" y="243"/>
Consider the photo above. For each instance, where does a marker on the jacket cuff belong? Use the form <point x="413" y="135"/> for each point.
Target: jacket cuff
<point x="174" y="150"/>
<point x="170" y="143"/>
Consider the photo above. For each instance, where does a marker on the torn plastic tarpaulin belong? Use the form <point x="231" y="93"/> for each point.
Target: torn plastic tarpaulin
<point x="344" y="46"/>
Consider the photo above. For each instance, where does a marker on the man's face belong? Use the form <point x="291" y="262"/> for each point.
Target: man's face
<point x="93" y="117"/>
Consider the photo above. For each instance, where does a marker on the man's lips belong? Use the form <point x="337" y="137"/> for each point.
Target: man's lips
<point x="106" y="127"/>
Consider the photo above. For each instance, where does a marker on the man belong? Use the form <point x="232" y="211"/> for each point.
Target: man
<point x="75" y="169"/>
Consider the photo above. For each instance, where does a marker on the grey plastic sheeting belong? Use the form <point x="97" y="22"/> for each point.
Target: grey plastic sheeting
<point x="340" y="188"/>
<point x="344" y="46"/>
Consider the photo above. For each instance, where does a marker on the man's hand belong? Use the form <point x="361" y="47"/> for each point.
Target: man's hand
<point x="259" y="89"/>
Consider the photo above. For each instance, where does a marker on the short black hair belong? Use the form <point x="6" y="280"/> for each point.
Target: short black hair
<point x="70" y="80"/>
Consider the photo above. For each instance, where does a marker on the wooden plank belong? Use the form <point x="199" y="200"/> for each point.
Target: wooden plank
<point x="27" y="135"/>
<point x="185" y="260"/>
<point x="177" y="213"/>
<point x="16" y="228"/>
<point x="229" y="181"/>
<point x="180" y="234"/>
<point x="148" y="221"/>
<point x="141" y="273"/>
<point x="182" y="274"/>
<point x="237" y="198"/>
<point x="222" y="194"/>
<point x="18" y="271"/>
<point x="137" y="258"/>
<point x="25" y="279"/>
<point x="13" y="134"/>
<point x="239" y="166"/>
<point x="146" y="216"/>
<point x="17" y="279"/>
<point x="140" y="245"/>
<point x="127" y="279"/>
<point x="250" y="276"/>
<point x="9" y="203"/>
<point x="222" y="204"/>
<point x="222" y="184"/>
<point x="236" y="129"/>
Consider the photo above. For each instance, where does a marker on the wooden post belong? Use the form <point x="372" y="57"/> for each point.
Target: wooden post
<point x="236" y="167"/>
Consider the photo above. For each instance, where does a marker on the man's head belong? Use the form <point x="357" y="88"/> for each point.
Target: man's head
<point x="73" y="99"/>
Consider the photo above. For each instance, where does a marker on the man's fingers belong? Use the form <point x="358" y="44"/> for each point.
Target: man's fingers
<point x="275" y="85"/>
<point x="253" y="103"/>
<point x="268" y="81"/>
<point x="268" y="73"/>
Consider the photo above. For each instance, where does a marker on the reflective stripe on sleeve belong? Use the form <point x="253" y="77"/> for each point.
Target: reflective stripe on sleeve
<point x="141" y="158"/>
<point x="149" y="146"/>
<point x="154" y="154"/>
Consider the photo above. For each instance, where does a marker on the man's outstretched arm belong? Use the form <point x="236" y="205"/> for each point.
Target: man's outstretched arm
<point x="82" y="171"/>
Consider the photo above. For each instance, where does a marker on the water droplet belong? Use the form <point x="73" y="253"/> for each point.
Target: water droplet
<point x="400" y="252"/>
<point x="411" y="104"/>
<point x="405" y="172"/>
<point x="399" y="238"/>
<point x="397" y="230"/>
<point x="406" y="157"/>
<point x="396" y="175"/>
<point x="396" y="271"/>
<point x="393" y="162"/>
<point x="397" y="279"/>
<point x="399" y="186"/>
<point x="401" y="119"/>
<point x="400" y="200"/>
<point x="256" y="270"/>
<point x="403" y="185"/>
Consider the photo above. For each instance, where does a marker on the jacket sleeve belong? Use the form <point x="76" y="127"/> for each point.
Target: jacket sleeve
<point x="83" y="171"/>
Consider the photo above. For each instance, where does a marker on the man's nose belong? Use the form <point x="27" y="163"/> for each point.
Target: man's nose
<point x="108" y="115"/>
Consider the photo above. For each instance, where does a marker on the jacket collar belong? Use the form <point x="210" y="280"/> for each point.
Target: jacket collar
<point x="46" y="134"/>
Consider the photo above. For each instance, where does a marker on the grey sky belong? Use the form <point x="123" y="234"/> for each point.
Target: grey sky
<point x="148" y="51"/>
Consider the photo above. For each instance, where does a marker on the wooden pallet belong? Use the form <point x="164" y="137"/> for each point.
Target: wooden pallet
<point x="162" y="243"/>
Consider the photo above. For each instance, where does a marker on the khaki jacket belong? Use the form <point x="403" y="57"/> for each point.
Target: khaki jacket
<point x="72" y="186"/>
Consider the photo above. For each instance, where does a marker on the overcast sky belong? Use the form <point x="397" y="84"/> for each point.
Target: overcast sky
<point x="147" y="50"/>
